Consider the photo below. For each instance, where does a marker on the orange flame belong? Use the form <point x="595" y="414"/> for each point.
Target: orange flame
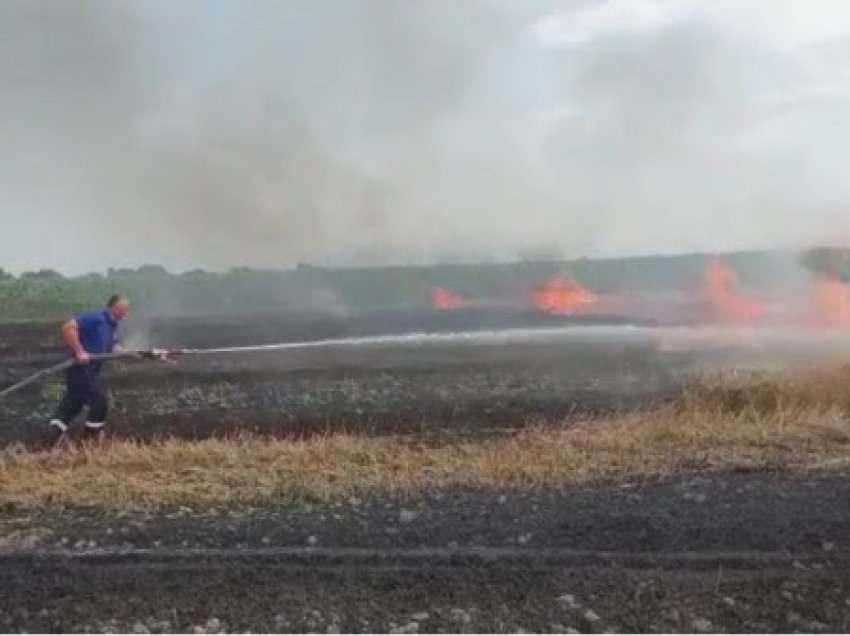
<point x="721" y="284"/>
<point x="832" y="302"/>
<point x="561" y="296"/>
<point x="442" y="298"/>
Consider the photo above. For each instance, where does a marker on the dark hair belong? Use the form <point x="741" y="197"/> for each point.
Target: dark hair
<point x="114" y="299"/>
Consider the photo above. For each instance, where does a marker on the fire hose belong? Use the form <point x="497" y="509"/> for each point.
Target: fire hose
<point x="166" y="355"/>
<point x="150" y="354"/>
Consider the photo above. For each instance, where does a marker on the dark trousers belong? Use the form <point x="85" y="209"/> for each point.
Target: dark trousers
<point x="84" y="386"/>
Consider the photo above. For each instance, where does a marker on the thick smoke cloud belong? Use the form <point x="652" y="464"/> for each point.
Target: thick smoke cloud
<point x="216" y="134"/>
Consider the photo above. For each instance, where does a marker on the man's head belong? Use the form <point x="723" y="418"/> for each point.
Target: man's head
<point x="118" y="306"/>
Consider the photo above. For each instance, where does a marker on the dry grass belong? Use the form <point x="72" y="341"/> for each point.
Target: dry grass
<point x="752" y="421"/>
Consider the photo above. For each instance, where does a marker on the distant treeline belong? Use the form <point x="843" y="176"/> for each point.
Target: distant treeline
<point x="47" y="295"/>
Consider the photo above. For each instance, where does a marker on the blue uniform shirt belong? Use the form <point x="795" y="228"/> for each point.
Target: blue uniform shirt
<point x="98" y="332"/>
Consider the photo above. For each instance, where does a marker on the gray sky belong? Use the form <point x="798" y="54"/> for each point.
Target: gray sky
<point x="216" y="133"/>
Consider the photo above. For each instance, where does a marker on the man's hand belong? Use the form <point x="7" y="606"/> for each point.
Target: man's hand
<point x="82" y="356"/>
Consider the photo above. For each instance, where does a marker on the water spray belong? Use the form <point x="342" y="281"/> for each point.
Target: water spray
<point x="413" y="339"/>
<point x="663" y="339"/>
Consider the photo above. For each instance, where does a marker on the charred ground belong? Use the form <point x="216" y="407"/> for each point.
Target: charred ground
<point x="384" y="388"/>
<point x="700" y="550"/>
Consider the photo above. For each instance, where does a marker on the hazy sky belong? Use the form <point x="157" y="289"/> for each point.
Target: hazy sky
<point x="218" y="133"/>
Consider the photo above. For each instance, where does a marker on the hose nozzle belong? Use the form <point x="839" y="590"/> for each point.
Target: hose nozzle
<point x="163" y="355"/>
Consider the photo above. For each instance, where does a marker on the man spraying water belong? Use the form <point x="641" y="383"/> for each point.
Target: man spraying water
<point x="89" y="334"/>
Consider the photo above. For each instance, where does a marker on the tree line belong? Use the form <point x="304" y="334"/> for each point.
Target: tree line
<point x="47" y="295"/>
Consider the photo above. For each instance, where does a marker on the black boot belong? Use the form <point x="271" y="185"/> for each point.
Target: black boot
<point x="56" y="435"/>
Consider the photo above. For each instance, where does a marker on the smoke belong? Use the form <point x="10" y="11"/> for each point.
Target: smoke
<point x="216" y="134"/>
<point x="704" y="126"/>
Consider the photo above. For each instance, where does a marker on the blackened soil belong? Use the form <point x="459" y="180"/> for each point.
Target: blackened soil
<point x="754" y="552"/>
<point x="458" y="388"/>
<point x="742" y="552"/>
<point x="21" y="339"/>
<point x="56" y="596"/>
<point x="726" y="512"/>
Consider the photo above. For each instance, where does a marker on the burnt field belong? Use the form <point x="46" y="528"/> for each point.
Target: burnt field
<point x="723" y="553"/>
<point x="427" y="372"/>
<point x="471" y="375"/>
<point x="508" y="472"/>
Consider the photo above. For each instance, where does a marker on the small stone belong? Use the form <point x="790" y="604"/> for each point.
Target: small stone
<point x="458" y="615"/>
<point x="503" y="500"/>
<point x="109" y="532"/>
<point x="591" y="616"/>
<point x="798" y="565"/>
<point x="64" y="540"/>
<point x="411" y="628"/>
<point x="729" y="601"/>
<point x="816" y="626"/>
<point x="571" y="630"/>
<point x="569" y="600"/>
<point x="333" y="628"/>
<point x="793" y="617"/>
<point x="524" y="538"/>
<point x="420" y="616"/>
<point x="700" y="498"/>
<point x="312" y="540"/>
<point x="213" y="626"/>
<point x="265" y="540"/>
<point x="407" y="516"/>
<point x="79" y="545"/>
<point x="140" y="628"/>
<point x="702" y="625"/>
<point x="92" y="543"/>
<point x="827" y="546"/>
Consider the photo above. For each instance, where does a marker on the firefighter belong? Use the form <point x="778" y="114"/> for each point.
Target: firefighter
<point x="90" y="333"/>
